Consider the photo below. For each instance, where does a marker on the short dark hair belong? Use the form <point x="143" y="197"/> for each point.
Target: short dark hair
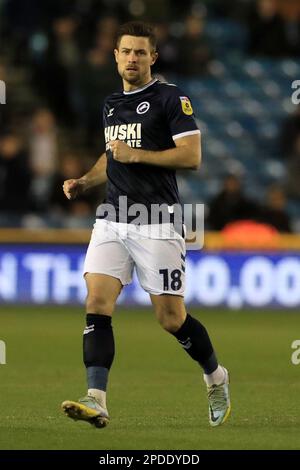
<point x="138" y="29"/>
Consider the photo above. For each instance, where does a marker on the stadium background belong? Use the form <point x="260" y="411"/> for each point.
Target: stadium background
<point x="239" y="63"/>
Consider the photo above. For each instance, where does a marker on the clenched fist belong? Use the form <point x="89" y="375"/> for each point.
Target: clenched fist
<point x="122" y="152"/>
<point x="74" y="187"/>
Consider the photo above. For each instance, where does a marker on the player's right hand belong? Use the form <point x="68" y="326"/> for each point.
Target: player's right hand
<point x="72" y="188"/>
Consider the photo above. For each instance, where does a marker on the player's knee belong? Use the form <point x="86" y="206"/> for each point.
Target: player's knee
<point x="171" y="320"/>
<point x="97" y="303"/>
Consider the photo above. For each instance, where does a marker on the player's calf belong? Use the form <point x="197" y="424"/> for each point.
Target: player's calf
<point x="194" y="339"/>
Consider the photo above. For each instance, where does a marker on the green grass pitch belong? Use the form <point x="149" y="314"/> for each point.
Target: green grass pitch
<point x="156" y="395"/>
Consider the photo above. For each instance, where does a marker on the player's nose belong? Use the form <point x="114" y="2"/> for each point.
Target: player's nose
<point x="132" y="57"/>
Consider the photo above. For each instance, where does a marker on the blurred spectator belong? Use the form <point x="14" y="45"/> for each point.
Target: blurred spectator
<point x="167" y="50"/>
<point x="54" y="68"/>
<point x="43" y="143"/>
<point x="107" y="27"/>
<point x="65" y="43"/>
<point x="290" y="13"/>
<point x="293" y="172"/>
<point x="14" y="180"/>
<point x="80" y="215"/>
<point x="265" y="29"/>
<point x="194" y="52"/>
<point x="4" y="114"/>
<point x="43" y="148"/>
<point x="274" y="213"/>
<point x="230" y="205"/>
<point x="3" y="73"/>
<point x="290" y="132"/>
<point x="22" y="18"/>
<point x="93" y="81"/>
<point x="273" y="32"/>
<point x="178" y="8"/>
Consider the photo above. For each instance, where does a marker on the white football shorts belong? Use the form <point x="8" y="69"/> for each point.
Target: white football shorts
<point x="157" y="252"/>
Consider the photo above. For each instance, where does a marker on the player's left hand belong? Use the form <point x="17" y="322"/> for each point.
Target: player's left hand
<point x="122" y="152"/>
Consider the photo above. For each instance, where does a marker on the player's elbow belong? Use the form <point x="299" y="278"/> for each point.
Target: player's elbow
<point x="195" y="157"/>
<point x="195" y="161"/>
<point x="190" y="149"/>
<point x="195" y="167"/>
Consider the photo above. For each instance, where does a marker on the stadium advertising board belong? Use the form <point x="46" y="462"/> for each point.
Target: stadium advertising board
<point x="53" y="274"/>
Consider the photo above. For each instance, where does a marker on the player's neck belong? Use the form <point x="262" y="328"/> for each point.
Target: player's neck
<point x="131" y="87"/>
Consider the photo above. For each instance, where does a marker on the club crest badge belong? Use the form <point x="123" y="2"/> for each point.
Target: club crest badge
<point x="143" y="107"/>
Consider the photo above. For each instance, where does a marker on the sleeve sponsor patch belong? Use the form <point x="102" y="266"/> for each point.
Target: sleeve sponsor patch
<point x="186" y="105"/>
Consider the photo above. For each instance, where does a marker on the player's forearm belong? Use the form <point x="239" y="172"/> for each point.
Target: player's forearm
<point x="97" y="174"/>
<point x="176" y="158"/>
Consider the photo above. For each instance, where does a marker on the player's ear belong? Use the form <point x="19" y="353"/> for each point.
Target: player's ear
<point x="116" y="52"/>
<point x="154" y="57"/>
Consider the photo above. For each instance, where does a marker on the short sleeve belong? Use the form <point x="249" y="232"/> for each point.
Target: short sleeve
<point x="179" y="112"/>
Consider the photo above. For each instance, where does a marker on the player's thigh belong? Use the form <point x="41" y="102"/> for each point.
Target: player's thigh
<point x="160" y="265"/>
<point x="107" y="254"/>
<point x="107" y="267"/>
<point x="103" y="292"/>
<point x="169" y="310"/>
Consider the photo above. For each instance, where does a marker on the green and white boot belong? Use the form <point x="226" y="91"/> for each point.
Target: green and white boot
<point x="219" y="401"/>
<point x="86" y="409"/>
